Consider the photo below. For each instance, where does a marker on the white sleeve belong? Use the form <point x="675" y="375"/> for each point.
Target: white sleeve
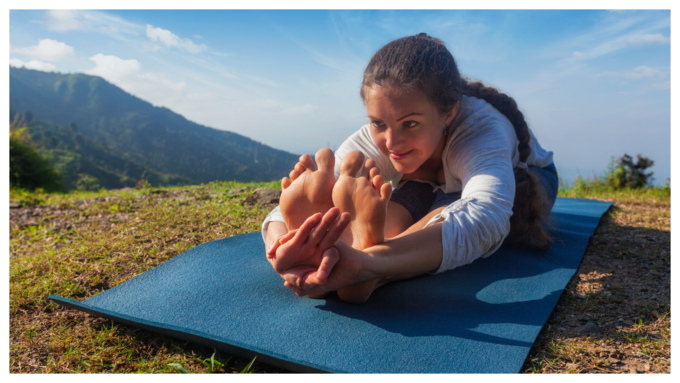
<point x="476" y="225"/>
<point x="274" y="215"/>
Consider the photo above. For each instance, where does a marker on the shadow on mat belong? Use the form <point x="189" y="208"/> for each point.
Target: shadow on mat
<point x="502" y="299"/>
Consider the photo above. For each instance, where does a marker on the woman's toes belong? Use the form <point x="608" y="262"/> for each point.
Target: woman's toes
<point x="352" y="163"/>
<point x="385" y="192"/>
<point x="373" y="172"/>
<point x="294" y="174"/>
<point x="306" y="162"/>
<point x="377" y="181"/>
<point x="325" y="159"/>
<point x="285" y="182"/>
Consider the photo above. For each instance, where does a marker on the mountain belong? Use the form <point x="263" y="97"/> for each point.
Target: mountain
<point x="155" y="136"/>
<point x="73" y="155"/>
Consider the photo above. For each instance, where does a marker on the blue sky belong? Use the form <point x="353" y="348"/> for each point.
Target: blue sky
<point x="591" y="84"/>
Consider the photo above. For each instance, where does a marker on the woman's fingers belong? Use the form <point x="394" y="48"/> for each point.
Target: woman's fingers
<point x="296" y="290"/>
<point x="326" y="222"/>
<point x="329" y="258"/>
<point x="280" y="241"/>
<point x="333" y="234"/>
<point x="306" y="228"/>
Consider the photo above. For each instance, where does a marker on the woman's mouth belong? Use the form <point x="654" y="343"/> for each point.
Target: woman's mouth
<point x="400" y="156"/>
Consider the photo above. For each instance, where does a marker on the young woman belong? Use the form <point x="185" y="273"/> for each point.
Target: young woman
<point x="466" y="170"/>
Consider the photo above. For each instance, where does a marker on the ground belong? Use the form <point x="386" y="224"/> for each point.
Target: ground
<point x="613" y="317"/>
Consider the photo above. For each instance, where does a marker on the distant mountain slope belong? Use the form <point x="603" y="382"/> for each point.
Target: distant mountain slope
<point x="164" y="140"/>
<point x="73" y="154"/>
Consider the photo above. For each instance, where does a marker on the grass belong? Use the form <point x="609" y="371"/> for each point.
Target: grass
<point x="79" y="244"/>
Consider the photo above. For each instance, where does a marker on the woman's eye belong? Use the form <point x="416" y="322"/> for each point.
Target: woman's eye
<point x="410" y="124"/>
<point x="378" y="124"/>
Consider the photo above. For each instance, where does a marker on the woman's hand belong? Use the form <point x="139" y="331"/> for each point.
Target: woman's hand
<point x="350" y="269"/>
<point x="306" y="256"/>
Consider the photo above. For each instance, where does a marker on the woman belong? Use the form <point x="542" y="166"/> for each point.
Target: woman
<point x="467" y="173"/>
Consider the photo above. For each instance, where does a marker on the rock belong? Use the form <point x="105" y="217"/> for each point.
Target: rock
<point x="235" y="191"/>
<point x="14" y="205"/>
<point x="581" y="296"/>
<point x="632" y="370"/>
<point x="613" y="360"/>
<point x="264" y="196"/>
<point x="655" y="314"/>
<point x="590" y="328"/>
<point x="628" y="322"/>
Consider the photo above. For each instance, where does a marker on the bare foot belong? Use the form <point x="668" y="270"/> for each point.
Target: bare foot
<point x="308" y="191"/>
<point x="365" y="199"/>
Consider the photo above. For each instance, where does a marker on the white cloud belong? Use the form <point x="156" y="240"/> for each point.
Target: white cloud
<point x="197" y="36"/>
<point x="33" y="64"/>
<point x="66" y="20"/>
<point x="300" y="110"/>
<point x="47" y="49"/>
<point x="128" y="75"/>
<point x="63" y="20"/>
<point x="114" y="68"/>
<point x="170" y="39"/>
<point x="639" y="73"/>
<point x="622" y="43"/>
<point x="656" y="38"/>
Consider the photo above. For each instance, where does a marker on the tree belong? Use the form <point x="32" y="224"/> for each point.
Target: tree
<point x="27" y="168"/>
<point x="629" y="174"/>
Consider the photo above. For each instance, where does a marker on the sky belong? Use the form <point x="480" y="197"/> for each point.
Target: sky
<point x="592" y="84"/>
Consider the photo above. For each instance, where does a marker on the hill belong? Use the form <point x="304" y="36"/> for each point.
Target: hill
<point x="159" y="138"/>
<point x="74" y="155"/>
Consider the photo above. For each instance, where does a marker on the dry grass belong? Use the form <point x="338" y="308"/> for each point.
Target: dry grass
<point x="81" y="244"/>
<point x="623" y="287"/>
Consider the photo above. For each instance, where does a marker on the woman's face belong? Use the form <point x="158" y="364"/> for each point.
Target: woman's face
<point x="406" y="127"/>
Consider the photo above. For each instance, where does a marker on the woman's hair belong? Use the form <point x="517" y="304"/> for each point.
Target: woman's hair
<point x="423" y="63"/>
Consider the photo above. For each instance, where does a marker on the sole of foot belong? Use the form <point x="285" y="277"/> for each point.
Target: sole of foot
<point x="365" y="198"/>
<point x="309" y="190"/>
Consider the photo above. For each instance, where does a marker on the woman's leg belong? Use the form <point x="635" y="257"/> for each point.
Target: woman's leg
<point x="408" y="205"/>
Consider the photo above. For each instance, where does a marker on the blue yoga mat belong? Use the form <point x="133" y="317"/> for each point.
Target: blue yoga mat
<point x="480" y="318"/>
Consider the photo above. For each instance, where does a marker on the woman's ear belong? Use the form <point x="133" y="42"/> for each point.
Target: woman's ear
<point x="451" y="114"/>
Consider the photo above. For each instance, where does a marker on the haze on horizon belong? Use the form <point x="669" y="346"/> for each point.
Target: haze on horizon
<point x="591" y="84"/>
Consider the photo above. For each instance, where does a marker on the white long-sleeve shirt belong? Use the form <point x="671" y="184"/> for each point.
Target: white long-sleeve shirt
<point x="478" y="159"/>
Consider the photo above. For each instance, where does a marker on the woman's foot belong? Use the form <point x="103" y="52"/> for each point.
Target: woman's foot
<point x="308" y="191"/>
<point x="364" y="198"/>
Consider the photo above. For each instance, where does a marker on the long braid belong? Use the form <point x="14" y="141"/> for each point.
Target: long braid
<point x="527" y="224"/>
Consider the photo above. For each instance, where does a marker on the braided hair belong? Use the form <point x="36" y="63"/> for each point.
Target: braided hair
<point x="422" y="62"/>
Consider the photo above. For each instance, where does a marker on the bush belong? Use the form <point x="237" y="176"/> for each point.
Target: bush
<point x="87" y="182"/>
<point x="621" y="174"/>
<point x="629" y="174"/>
<point x="27" y="168"/>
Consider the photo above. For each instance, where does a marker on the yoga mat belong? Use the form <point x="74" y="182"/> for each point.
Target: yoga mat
<point x="479" y="318"/>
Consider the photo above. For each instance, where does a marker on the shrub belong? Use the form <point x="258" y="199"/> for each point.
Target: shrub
<point x="28" y="169"/>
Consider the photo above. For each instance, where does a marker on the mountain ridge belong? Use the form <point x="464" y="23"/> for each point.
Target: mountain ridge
<point x="165" y="140"/>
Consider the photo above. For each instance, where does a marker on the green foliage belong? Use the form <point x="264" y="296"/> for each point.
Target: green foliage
<point x="73" y="154"/>
<point x="28" y="169"/>
<point x="628" y="174"/>
<point x="25" y="197"/>
<point x="87" y="183"/>
<point x="622" y="174"/>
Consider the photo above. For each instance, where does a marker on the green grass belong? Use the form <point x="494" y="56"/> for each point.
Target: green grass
<point x="113" y="236"/>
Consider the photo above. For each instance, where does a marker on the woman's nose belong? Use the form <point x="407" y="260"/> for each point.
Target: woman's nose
<point x="392" y="140"/>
